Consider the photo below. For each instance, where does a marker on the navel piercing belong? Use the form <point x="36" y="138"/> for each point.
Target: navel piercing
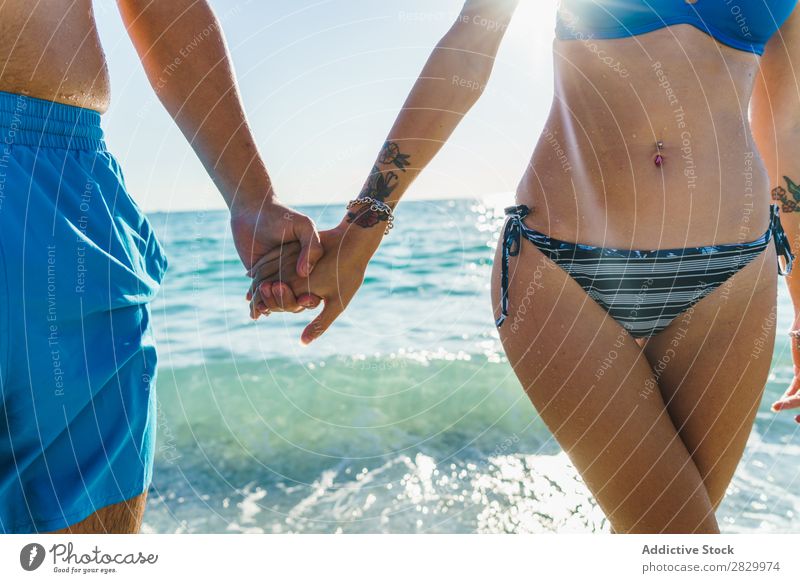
<point x="658" y="160"/>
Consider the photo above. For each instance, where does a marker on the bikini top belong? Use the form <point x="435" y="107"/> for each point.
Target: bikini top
<point x="746" y="25"/>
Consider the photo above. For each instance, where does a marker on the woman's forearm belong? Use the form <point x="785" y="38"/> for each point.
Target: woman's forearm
<point x="786" y="194"/>
<point x="185" y="57"/>
<point x="451" y="82"/>
<point x="775" y="115"/>
<point x="780" y="151"/>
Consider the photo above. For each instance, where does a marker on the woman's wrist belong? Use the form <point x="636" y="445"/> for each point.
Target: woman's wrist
<point x="360" y="242"/>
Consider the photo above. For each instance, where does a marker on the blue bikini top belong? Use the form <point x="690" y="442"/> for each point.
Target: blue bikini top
<point x="746" y="25"/>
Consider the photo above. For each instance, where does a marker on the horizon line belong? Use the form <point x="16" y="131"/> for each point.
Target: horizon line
<point x="223" y="208"/>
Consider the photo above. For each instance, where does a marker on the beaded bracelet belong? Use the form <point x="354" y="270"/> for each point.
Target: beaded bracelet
<point x="376" y="206"/>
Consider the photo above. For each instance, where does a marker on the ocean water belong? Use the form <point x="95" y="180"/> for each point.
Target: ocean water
<point x="405" y="417"/>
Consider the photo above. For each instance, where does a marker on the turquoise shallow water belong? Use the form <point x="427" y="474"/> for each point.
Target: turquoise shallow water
<point x="405" y="417"/>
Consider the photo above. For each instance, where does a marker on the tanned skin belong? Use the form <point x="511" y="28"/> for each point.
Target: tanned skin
<point x="50" y="49"/>
<point x="658" y="436"/>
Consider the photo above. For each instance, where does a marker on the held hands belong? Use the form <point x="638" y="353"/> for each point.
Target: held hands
<point x="347" y="250"/>
<point x="335" y="279"/>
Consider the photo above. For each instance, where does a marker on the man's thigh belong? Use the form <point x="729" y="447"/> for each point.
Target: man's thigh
<point x="70" y="449"/>
<point x="122" y="518"/>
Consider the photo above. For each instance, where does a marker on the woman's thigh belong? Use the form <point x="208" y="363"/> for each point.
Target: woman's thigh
<point x="712" y="365"/>
<point x="589" y="381"/>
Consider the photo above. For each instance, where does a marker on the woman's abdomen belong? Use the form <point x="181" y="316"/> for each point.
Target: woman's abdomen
<point x="593" y="176"/>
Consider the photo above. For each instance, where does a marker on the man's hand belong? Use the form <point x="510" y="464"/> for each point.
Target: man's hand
<point x="259" y="228"/>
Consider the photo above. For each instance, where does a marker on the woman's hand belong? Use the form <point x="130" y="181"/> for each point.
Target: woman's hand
<point x="336" y="277"/>
<point x="791" y="398"/>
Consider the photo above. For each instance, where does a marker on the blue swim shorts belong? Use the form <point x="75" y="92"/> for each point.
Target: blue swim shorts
<point x="78" y="265"/>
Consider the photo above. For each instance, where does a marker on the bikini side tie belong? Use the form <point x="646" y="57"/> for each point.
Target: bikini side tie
<point x="782" y="246"/>
<point x="511" y="244"/>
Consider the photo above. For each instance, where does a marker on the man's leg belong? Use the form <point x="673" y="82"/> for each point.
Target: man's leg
<point x="122" y="518"/>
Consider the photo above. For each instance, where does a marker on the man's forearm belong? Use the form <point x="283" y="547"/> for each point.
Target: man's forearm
<point x="185" y="57"/>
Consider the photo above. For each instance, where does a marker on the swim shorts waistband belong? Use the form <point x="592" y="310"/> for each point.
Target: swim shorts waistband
<point x="29" y="121"/>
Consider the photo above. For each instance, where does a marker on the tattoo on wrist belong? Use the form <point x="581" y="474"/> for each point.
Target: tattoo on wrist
<point x="366" y="217"/>
<point x="380" y="185"/>
<point x="790" y="201"/>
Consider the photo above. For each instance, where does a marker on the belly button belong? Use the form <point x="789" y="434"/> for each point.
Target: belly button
<point x="658" y="159"/>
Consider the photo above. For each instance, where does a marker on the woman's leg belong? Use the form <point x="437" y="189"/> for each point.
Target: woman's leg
<point x="594" y="388"/>
<point x="712" y="365"/>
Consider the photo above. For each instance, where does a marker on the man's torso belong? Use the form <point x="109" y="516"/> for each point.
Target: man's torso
<point x="51" y="50"/>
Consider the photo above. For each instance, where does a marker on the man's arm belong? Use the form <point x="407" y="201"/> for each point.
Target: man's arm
<point x="183" y="50"/>
<point x="775" y="116"/>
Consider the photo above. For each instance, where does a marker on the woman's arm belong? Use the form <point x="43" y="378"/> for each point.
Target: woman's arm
<point x="775" y="113"/>
<point x="185" y="57"/>
<point x="451" y="82"/>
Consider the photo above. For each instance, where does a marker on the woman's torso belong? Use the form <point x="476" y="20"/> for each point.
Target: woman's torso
<point x="593" y="178"/>
<point x="51" y="50"/>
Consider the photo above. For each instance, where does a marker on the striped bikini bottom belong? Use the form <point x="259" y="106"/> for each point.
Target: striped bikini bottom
<point x="643" y="290"/>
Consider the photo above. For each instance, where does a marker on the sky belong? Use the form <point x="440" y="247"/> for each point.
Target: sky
<point x="322" y="82"/>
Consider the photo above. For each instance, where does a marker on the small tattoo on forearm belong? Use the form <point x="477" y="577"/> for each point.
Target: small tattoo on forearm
<point x="380" y="185"/>
<point x="790" y="201"/>
<point x="390" y="154"/>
